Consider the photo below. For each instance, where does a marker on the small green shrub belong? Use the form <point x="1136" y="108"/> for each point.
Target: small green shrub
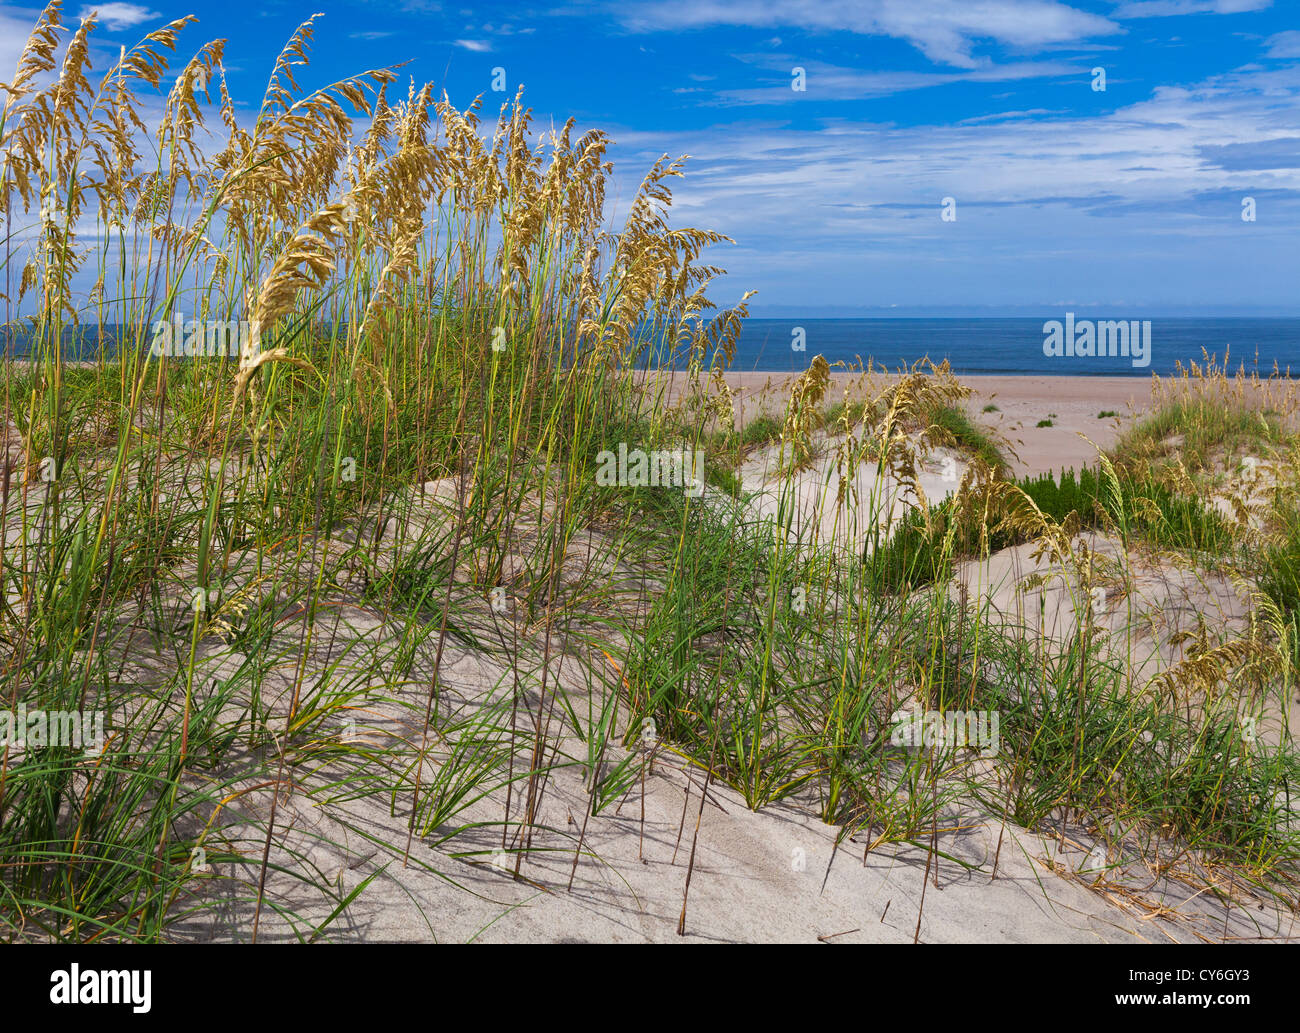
<point x="760" y="430"/>
<point x="967" y="435"/>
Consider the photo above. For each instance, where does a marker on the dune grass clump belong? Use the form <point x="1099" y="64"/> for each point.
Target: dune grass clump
<point x="421" y="302"/>
<point x="968" y="436"/>
<point x="761" y="430"/>
<point x="1203" y="415"/>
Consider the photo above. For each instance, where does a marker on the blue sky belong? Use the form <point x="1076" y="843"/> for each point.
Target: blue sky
<point x="1127" y="198"/>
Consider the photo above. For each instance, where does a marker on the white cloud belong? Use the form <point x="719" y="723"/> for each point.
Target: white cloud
<point x="1006" y="116"/>
<point x="944" y="30"/>
<point x="116" y="16"/>
<point x="1167" y="8"/>
<point x="830" y="82"/>
<point x="1284" y="44"/>
<point x="856" y="183"/>
<point x="15" y="26"/>
<point x="479" y="46"/>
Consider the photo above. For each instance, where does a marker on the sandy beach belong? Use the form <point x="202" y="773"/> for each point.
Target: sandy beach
<point x="1072" y="404"/>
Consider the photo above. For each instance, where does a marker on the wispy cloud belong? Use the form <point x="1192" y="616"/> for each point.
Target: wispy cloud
<point x="1007" y="116"/>
<point x="479" y="46"/>
<point x="1284" y="45"/>
<point x="370" y="34"/>
<point x="118" y="16"/>
<point x="830" y="82"/>
<point x="1162" y="173"/>
<point x="1282" y="152"/>
<point x="944" y="30"/>
<point x="1169" y="8"/>
<point x="15" y="24"/>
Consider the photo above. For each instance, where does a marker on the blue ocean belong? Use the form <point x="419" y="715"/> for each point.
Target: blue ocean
<point x="1016" y="345"/>
<point x="978" y="345"/>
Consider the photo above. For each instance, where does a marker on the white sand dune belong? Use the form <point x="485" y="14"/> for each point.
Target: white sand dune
<point x="758" y="876"/>
<point x="771" y="875"/>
